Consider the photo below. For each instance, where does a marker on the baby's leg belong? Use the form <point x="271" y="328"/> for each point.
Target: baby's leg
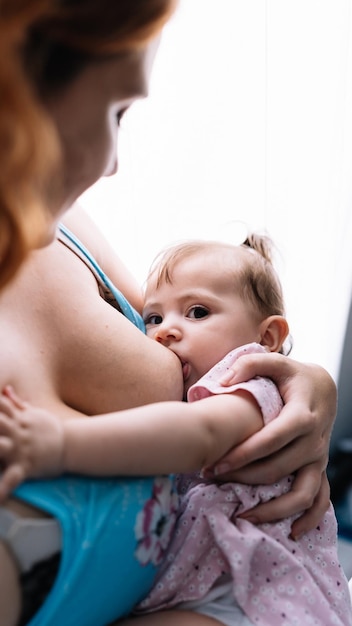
<point x="9" y="589"/>
<point x="171" y="618"/>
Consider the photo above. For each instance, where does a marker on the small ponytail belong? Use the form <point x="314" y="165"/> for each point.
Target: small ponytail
<point x="261" y="244"/>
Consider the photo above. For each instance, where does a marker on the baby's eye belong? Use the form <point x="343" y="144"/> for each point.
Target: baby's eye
<point x="197" y="312"/>
<point x="153" y="319"/>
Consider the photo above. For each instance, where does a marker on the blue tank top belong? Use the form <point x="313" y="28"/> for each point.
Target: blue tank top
<point x="114" y="530"/>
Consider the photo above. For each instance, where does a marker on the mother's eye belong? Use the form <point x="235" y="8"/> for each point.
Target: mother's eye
<point x="197" y="312"/>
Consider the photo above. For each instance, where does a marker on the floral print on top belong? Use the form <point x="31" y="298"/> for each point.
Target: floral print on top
<point x="276" y="581"/>
<point x="155" y="522"/>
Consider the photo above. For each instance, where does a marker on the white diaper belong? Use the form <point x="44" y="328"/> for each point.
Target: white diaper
<point x="29" y="539"/>
<point x="219" y="603"/>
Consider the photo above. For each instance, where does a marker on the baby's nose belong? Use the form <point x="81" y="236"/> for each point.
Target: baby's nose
<point x="166" y="334"/>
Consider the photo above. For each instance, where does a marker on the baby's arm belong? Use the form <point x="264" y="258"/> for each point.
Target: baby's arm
<point x="156" y="438"/>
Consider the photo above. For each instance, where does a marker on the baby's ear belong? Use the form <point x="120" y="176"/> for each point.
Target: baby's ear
<point x="273" y="332"/>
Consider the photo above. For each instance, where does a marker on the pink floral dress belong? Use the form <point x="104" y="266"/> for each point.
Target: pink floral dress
<point x="276" y="581"/>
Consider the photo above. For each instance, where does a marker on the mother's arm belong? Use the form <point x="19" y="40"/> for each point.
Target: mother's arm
<point x="298" y="441"/>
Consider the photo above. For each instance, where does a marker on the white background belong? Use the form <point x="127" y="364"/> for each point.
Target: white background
<point x="249" y="119"/>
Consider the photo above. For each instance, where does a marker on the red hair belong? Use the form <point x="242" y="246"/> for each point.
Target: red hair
<point x="32" y="32"/>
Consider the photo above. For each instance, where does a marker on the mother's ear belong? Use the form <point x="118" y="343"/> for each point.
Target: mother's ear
<point x="273" y="332"/>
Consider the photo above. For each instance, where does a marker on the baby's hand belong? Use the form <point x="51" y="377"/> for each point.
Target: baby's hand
<point x="31" y="442"/>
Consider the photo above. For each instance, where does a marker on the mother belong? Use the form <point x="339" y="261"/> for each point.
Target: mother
<point x="68" y="71"/>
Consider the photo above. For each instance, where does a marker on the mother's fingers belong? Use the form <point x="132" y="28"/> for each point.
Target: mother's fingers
<point x="296" y="457"/>
<point x="262" y="444"/>
<point x="278" y="449"/>
<point x="285" y="445"/>
<point x="309" y="495"/>
<point x="272" y="365"/>
<point x="312" y="516"/>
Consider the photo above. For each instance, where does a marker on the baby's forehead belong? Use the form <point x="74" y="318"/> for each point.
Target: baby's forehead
<point x="215" y="265"/>
<point x="197" y="255"/>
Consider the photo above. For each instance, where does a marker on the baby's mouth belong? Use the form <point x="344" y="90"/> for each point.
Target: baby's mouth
<point x="185" y="370"/>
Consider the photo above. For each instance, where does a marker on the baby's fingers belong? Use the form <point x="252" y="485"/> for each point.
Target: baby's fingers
<point x="11" y="477"/>
<point x="7" y="425"/>
<point x="12" y="473"/>
<point x="6" y="450"/>
<point x="15" y="400"/>
<point x="8" y="409"/>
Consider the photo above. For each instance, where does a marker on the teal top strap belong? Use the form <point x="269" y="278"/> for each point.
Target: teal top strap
<point x="77" y="246"/>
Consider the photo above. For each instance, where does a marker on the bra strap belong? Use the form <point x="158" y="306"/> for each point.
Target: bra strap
<point x="71" y="241"/>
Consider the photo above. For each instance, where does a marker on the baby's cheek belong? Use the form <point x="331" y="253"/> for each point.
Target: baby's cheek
<point x="150" y="333"/>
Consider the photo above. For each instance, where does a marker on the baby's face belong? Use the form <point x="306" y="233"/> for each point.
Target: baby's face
<point x="199" y="316"/>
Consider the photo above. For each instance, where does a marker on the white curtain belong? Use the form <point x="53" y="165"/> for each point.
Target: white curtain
<point x="249" y="118"/>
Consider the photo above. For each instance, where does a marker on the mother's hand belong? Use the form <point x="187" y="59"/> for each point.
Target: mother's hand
<point x="296" y="442"/>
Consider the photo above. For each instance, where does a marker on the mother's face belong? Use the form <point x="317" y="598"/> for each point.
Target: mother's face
<point x="87" y="113"/>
